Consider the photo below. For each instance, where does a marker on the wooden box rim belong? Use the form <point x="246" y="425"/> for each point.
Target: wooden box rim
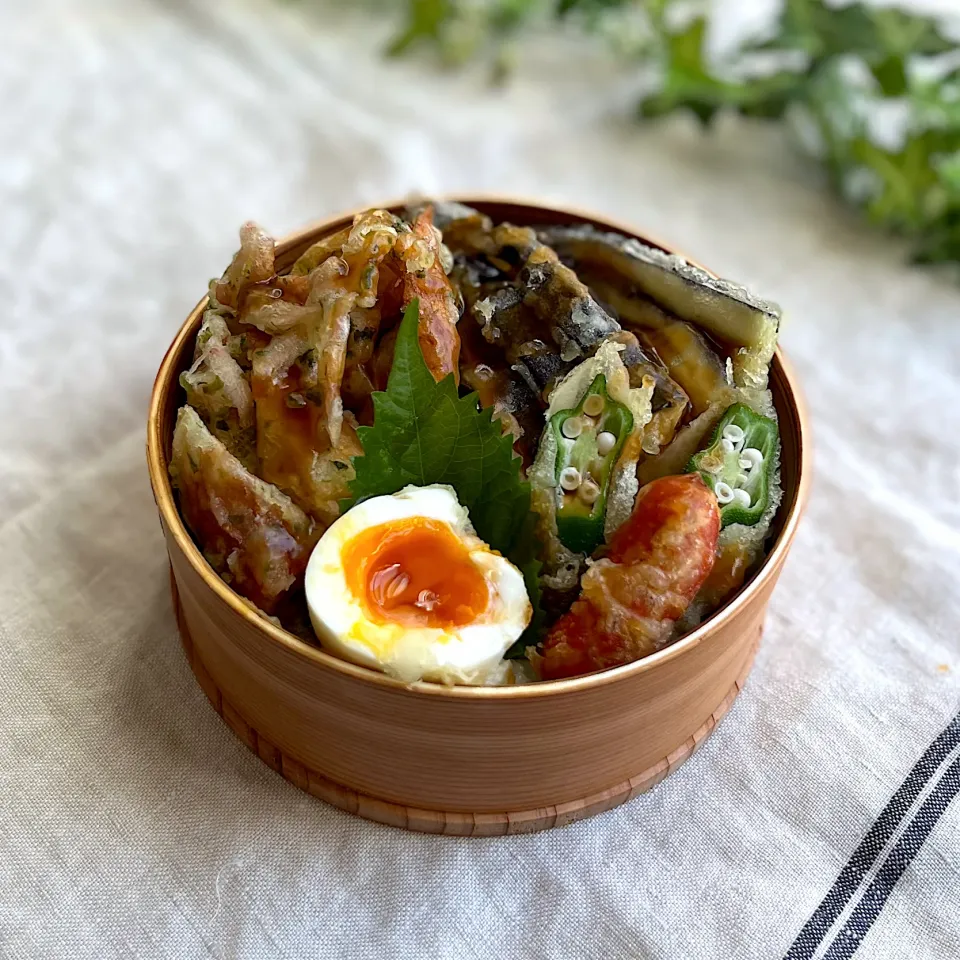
<point x="157" y="446"/>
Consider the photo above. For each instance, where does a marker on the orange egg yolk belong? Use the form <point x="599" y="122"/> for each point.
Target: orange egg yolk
<point x="416" y="572"/>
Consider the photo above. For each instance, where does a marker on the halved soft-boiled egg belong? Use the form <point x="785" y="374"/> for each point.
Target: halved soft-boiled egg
<point x="401" y="583"/>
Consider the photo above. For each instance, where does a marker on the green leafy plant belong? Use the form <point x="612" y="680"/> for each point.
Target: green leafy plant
<point x="423" y="432"/>
<point x="874" y="93"/>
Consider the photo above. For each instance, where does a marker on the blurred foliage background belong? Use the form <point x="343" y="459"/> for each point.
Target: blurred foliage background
<point x="873" y="94"/>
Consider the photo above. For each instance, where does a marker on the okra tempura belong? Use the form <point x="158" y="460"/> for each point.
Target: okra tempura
<point x="337" y="463"/>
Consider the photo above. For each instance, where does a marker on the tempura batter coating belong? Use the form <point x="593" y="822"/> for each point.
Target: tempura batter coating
<point x="425" y="280"/>
<point x="251" y="533"/>
<point x="657" y="562"/>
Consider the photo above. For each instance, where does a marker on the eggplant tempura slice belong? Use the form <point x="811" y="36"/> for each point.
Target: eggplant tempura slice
<point x="544" y="319"/>
<point x="690" y="359"/>
<point x="464" y="228"/>
<point x="726" y="311"/>
<point x="669" y="404"/>
<point x="473" y="235"/>
<point x="501" y="388"/>
<point x="674" y="457"/>
<point x="251" y="533"/>
<point x="548" y="298"/>
<point x="562" y="303"/>
<point x="512" y="402"/>
<point x="692" y="364"/>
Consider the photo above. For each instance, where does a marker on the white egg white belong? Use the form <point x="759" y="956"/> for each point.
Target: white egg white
<point x="470" y="654"/>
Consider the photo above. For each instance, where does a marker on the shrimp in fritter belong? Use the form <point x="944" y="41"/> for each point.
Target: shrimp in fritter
<point x="328" y="336"/>
<point x="629" y="601"/>
<point x="425" y="279"/>
<point x="253" y="263"/>
<point x="347" y="289"/>
<point x="293" y="444"/>
<point x="304" y="442"/>
<point x="276" y="305"/>
<point x="216" y="387"/>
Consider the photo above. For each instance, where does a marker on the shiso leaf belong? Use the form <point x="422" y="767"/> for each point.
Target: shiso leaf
<point x="423" y="432"/>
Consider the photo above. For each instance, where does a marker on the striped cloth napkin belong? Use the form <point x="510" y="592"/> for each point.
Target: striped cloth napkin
<point x="854" y="902"/>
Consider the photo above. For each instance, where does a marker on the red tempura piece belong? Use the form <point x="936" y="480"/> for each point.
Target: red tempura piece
<point x="425" y="280"/>
<point x="629" y="601"/>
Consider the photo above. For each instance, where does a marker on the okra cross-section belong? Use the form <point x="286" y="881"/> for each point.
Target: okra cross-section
<point x="589" y="440"/>
<point x="738" y="464"/>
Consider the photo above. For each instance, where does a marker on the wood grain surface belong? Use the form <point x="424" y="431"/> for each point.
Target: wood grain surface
<point x="547" y="752"/>
<point x="446" y="822"/>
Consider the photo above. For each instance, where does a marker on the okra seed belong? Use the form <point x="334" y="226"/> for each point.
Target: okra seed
<point x="570" y="478"/>
<point x="588" y="492"/>
<point x="732" y="432"/>
<point x="741" y="498"/>
<point x="726" y="445"/>
<point x="606" y="441"/>
<point x="723" y="491"/>
<point x="593" y="405"/>
<point x="572" y="428"/>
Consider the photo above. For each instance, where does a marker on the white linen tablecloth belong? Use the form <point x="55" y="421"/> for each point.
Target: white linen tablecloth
<point x="136" y="136"/>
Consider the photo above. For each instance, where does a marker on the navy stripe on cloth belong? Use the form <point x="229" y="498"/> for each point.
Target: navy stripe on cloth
<point x="871" y="846"/>
<point x="868" y="909"/>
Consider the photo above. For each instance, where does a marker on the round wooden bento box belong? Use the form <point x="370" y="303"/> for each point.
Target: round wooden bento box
<point x="461" y="760"/>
